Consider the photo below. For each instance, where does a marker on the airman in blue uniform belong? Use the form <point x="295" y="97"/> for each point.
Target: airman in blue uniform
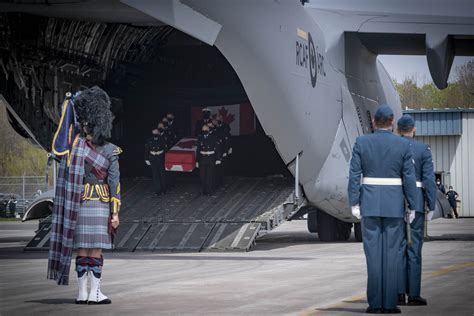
<point x="382" y="176"/>
<point x="410" y="256"/>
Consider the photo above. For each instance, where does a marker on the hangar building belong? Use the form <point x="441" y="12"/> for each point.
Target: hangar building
<point x="450" y="133"/>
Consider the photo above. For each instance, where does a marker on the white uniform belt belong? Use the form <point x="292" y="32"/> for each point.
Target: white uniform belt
<point x="419" y="184"/>
<point x="208" y="153"/>
<point x="156" y="153"/>
<point x="381" y="181"/>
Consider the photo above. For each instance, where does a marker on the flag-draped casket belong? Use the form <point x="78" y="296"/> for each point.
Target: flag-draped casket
<point x="182" y="156"/>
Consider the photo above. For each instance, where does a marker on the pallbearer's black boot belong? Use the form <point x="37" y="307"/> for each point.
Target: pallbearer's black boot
<point x="95" y="295"/>
<point x="82" y="269"/>
<point x="416" y="301"/>
<point x="401" y="299"/>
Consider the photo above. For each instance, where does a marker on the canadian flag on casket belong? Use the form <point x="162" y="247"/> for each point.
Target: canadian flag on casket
<point x="182" y="156"/>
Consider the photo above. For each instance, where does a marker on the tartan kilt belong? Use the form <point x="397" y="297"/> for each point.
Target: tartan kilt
<point x="92" y="225"/>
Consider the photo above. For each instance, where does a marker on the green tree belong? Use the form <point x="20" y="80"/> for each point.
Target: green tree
<point x="458" y="94"/>
<point x="18" y="156"/>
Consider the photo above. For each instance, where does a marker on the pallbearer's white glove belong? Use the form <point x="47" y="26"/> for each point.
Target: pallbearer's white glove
<point x="218" y="162"/>
<point x="410" y="216"/>
<point x="356" y="211"/>
<point x="148" y="162"/>
<point x="429" y="215"/>
<point x="197" y="164"/>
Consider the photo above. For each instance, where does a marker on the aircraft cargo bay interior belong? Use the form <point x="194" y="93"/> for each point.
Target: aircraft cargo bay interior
<point x="149" y="72"/>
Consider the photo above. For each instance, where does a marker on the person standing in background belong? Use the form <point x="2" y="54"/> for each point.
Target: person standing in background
<point x="440" y="186"/>
<point x="452" y="198"/>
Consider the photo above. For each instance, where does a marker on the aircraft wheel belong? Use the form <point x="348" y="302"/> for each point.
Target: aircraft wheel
<point x="313" y="222"/>
<point x="358" y="232"/>
<point x="343" y="230"/>
<point x="327" y="227"/>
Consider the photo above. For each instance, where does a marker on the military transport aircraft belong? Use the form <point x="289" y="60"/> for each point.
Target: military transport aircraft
<point x="309" y="68"/>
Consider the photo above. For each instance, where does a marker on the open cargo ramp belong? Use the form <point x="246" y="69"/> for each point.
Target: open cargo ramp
<point x="184" y="220"/>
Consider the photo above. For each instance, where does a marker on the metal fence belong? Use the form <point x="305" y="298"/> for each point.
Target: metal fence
<point x="24" y="189"/>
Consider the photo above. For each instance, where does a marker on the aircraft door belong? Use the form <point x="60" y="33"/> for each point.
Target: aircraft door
<point x="352" y="122"/>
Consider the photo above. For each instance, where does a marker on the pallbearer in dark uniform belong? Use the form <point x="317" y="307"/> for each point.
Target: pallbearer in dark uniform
<point x="225" y="131"/>
<point x="155" y="149"/>
<point x="206" y="118"/>
<point x="172" y="139"/>
<point x="410" y="256"/>
<point x="382" y="175"/>
<point x="172" y="124"/>
<point x="214" y="130"/>
<point x="169" y="133"/>
<point x="207" y="157"/>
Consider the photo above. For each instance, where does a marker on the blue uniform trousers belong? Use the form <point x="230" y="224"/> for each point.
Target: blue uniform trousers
<point x="382" y="237"/>
<point x="409" y="278"/>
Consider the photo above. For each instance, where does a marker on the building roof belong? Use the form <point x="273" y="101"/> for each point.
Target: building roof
<point x="438" y="122"/>
<point x="438" y="110"/>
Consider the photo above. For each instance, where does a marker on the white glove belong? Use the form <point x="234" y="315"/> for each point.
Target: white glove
<point x="224" y="155"/>
<point x="356" y="211"/>
<point x="429" y="215"/>
<point x="148" y="162"/>
<point x="229" y="151"/>
<point x="197" y="164"/>
<point x="218" y="162"/>
<point x="410" y="216"/>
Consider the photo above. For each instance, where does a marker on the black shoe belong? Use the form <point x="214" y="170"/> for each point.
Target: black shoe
<point x="401" y="299"/>
<point x="416" y="301"/>
<point x="371" y="310"/>
<point x="81" y="302"/>
<point x="394" y="310"/>
<point x="103" y="302"/>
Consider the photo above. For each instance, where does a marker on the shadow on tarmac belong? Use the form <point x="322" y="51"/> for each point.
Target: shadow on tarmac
<point x="54" y="301"/>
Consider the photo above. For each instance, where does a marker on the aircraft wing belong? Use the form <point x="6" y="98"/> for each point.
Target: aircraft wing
<point x="436" y="28"/>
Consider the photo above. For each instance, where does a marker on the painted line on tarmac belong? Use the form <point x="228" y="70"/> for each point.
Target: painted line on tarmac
<point x="361" y="296"/>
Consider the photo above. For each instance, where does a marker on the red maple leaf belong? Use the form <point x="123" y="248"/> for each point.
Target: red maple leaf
<point x="226" y="117"/>
<point x="187" y="144"/>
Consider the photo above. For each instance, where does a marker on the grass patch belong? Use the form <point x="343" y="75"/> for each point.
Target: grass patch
<point x="9" y="219"/>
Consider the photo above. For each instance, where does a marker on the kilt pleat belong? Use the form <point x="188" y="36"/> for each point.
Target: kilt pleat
<point x="92" y="226"/>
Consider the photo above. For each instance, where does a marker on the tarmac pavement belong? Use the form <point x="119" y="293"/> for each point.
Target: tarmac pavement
<point x="289" y="272"/>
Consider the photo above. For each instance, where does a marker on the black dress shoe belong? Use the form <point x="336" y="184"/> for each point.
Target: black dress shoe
<point x="371" y="310"/>
<point x="401" y="299"/>
<point x="416" y="301"/>
<point x="81" y="302"/>
<point x="394" y="310"/>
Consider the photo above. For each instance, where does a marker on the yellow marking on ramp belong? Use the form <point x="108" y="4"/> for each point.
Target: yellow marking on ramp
<point x="450" y="269"/>
<point x="361" y="296"/>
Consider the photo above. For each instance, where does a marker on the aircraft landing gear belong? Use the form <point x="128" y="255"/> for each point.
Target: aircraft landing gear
<point x="328" y="227"/>
<point x="313" y="221"/>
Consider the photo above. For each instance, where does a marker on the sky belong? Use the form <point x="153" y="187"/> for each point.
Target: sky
<point x="400" y="67"/>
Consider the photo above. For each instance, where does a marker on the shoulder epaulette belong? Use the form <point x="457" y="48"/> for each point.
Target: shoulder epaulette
<point x="117" y="151"/>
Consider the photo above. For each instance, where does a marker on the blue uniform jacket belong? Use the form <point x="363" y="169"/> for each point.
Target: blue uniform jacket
<point x="424" y="173"/>
<point x="382" y="155"/>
